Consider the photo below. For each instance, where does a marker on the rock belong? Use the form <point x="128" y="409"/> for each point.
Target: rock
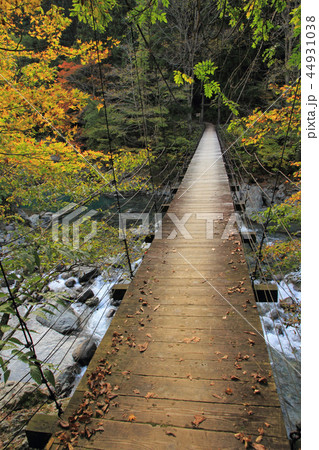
<point x="19" y="395"/>
<point x="295" y="279"/>
<point x="34" y="220"/>
<point x="276" y="314"/>
<point x="62" y="319"/>
<point x="254" y="200"/>
<point x="84" y="352"/>
<point x="10" y="282"/>
<point x="94" y="301"/>
<point x="279" y="329"/>
<point x="60" y="267"/>
<point x="280" y="195"/>
<point x="70" y="282"/>
<point x="267" y="196"/>
<point x="65" y="381"/>
<point x="268" y="324"/>
<point x="72" y="295"/>
<point x="10" y="227"/>
<point x="86" y="273"/>
<point x="86" y="295"/>
<point x="115" y="303"/>
<point x="111" y="313"/>
<point x="66" y="275"/>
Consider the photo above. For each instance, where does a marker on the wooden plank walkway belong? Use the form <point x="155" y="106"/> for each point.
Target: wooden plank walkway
<point x="183" y="364"/>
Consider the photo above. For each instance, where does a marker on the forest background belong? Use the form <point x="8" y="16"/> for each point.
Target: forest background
<point x="106" y="98"/>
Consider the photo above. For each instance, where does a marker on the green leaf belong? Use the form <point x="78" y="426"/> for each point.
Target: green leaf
<point x="36" y="374"/>
<point x="37" y="258"/>
<point x="6" y="375"/>
<point x="6" y="308"/>
<point x="15" y="341"/>
<point x="49" y="376"/>
<point x="5" y="328"/>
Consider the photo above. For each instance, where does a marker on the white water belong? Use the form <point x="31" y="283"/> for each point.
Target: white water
<point x="55" y="348"/>
<point x="284" y="345"/>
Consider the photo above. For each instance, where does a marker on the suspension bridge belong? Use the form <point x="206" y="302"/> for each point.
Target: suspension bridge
<point x="184" y="363"/>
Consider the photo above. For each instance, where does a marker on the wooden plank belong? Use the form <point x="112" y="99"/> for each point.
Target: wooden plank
<point x="219" y="417"/>
<point x="127" y="435"/>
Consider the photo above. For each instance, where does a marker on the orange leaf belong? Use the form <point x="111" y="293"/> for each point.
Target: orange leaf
<point x="234" y="378"/>
<point x="217" y="396"/>
<point x="143" y="347"/>
<point x="64" y="424"/>
<point x="150" y="395"/>
<point x="131" y="418"/>
<point x="198" y="420"/>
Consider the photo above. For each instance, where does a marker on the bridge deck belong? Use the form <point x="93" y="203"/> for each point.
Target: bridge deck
<point x="184" y="363"/>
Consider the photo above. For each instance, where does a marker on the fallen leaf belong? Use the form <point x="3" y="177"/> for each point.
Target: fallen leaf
<point x="149" y="336"/>
<point x="259" y="439"/>
<point x="261" y="431"/>
<point x="99" y="429"/>
<point x="258" y="446"/>
<point x="267" y="424"/>
<point x="251" y="342"/>
<point x="234" y="378"/>
<point x="170" y="433"/>
<point x="217" y="396"/>
<point x="229" y="391"/>
<point x="156" y="307"/>
<point x="198" y="420"/>
<point x="151" y="395"/>
<point x="225" y="357"/>
<point x="64" y="424"/>
<point x="143" y="347"/>
<point x="136" y="391"/>
<point x="250" y="332"/>
<point x="99" y="413"/>
<point x="131" y="418"/>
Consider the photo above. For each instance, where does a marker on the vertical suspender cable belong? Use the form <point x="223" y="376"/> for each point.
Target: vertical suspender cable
<point x="110" y="143"/>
